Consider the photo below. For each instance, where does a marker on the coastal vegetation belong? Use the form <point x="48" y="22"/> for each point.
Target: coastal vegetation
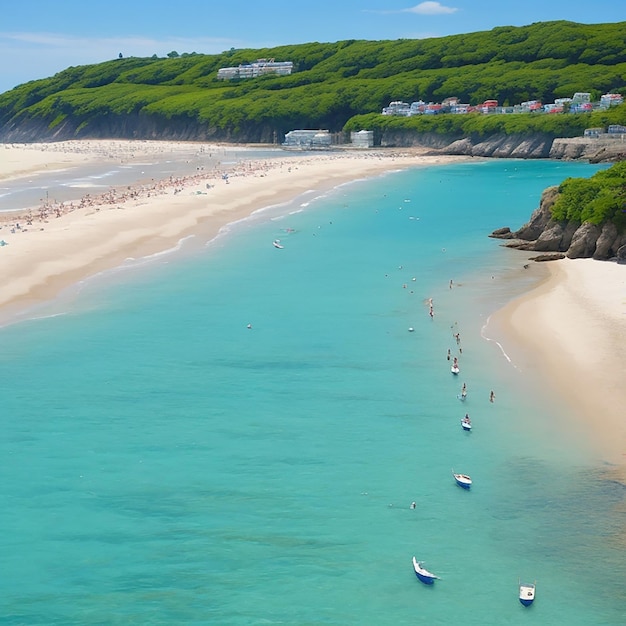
<point x="339" y="86"/>
<point x="581" y="218"/>
<point x="598" y="199"/>
<point x="476" y="124"/>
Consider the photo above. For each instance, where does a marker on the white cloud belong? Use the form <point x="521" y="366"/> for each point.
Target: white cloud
<point x="430" y="8"/>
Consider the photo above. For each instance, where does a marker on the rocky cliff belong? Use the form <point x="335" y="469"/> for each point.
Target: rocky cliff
<point x="519" y="146"/>
<point x="132" y="126"/>
<point x="522" y="146"/>
<point x="558" y="239"/>
<point x="144" y="126"/>
<point x="592" y="149"/>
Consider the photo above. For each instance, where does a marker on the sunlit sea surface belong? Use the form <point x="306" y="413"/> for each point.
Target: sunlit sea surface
<point x="233" y="433"/>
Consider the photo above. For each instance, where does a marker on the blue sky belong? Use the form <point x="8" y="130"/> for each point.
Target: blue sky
<point x="41" y="37"/>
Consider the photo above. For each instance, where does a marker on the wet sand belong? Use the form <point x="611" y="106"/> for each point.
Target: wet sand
<point x="54" y="245"/>
<point x="572" y="330"/>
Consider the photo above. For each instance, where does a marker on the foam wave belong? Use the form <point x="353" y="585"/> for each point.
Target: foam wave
<point x="134" y="261"/>
<point x="84" y="186"/>
<point x="103" y="175"/>
<point x="483" y="334"/>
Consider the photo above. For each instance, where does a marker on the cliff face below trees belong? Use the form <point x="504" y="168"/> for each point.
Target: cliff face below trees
<point x="520" y="146"/>
<point x="132" y="126"/>
<point x="181" y="128"/>
<point x="558" y="239"/>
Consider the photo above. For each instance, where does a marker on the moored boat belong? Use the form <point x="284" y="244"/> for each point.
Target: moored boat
<point x="526" y="593"/>
<point x="462" y="480"/>
<point x="428" y="578"/>
<point x="276" y="243"/>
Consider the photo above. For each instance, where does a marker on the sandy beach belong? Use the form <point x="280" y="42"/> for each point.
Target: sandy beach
<point x="54" y="245"/>
<point x="572" y="328"/>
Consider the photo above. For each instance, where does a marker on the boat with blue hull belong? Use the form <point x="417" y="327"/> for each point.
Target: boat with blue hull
<point x="462" y="480"/>
<point x="526" y="593"/>
<point x="428" y="578"/>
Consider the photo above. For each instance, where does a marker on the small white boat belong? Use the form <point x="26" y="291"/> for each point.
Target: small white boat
<point x="276" y="243"/>
<point x="462" y="480"/>
<point x="526" y="593"/>
<point x="428" y="578"/>
<point x="466" y="422"/>
<point x="455" y="369"/>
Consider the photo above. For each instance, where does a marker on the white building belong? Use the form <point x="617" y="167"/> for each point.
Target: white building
<point x="610" y="100"/>
<point x="398" y="108"/>
<point x="362" y="138"/>
<point x="258" y="68"/>
<point x="307" y="140"/>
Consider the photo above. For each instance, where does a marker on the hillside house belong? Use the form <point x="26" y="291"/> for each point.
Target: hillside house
<point x="579" y="103"/>
<point x="531" y="106"/>
<point x="581" y="107"/>
<point x="397" y="107"/>
<point x="489" y="106"/>
<point x="258" y="68"/>
<point x="611" y="100"/>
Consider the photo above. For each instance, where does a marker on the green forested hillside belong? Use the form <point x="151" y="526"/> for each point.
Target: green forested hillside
<point x="331" y="83"/>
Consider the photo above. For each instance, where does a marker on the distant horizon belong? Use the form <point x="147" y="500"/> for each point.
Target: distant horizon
<point x="42" y="39"/>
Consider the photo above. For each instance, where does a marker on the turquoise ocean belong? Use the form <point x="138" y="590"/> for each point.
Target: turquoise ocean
<point x="231" y="433"/>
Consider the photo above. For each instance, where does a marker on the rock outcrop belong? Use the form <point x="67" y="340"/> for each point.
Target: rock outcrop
<point x="594" y="149"/>
<point x="134" y="125"/>
<point x="558" y="238"/>
<point x="522" y="146"/>
<point x="519" y="146"/>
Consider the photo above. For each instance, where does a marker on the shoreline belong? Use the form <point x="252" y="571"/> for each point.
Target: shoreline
<point x="568" y="333"/>
<point x="569" y="328"/>
<point x="56" y="245"/>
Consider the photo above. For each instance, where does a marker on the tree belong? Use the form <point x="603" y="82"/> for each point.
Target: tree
<point x="173" y="54"/>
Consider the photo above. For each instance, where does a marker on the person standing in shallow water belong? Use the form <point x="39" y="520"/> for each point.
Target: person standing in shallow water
<point x="492" y="396"/>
